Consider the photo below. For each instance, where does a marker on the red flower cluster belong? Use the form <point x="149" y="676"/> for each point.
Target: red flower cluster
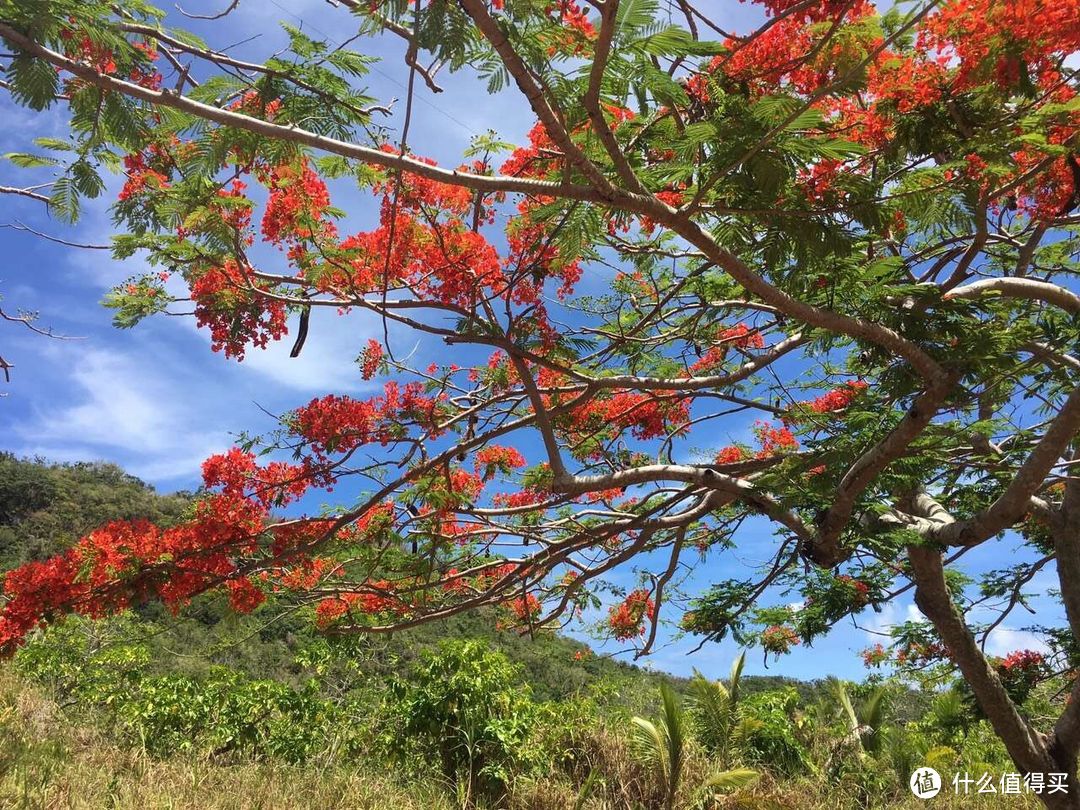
<point x="517" y="500"/>
<point x="275" y="484"/>
<point x="778" y="639"/>
<point x="494" y="458"/>
<point x="817" y="181"/>
<point x="127" y="562"/>
<point x="918" y="653"/>
<point x="627" y="620"/>
<point x="906" y="83"/>
<point x="244" y="597"/>
<point x="772" y="58"/>
<point x="526" y="609"/>
<point x="838" y="399"/>
<point x="1023" y="661"/>
<point x="150" y="79"/>
<point x="297" y="203"/>
<point x="740" y="336"/>
<point x="875" y="656"/>
<point x="860" y="596"/>
<point x="812" y="11"/>
<point x="422" y="194"/>
<point x="238" y="309"/>
<point x="645" y="415"/>
<point x="730" y="455"/>
<point x="579" y="31"/>
<point x="254" y="104"/>
<point x="774" y="440"/>
<point x="989" y="37"/>
<point x="142" y="174"/>
<point x="370" y="359"/>
<point x="338" y="424"/>
<point x="1020" y="672"/>
<point x="534" y="160"/>
<point x="85" y="50"/>
<point x="378" y="597"/>
<point x="532" y="249"/>
<point x="303" y="576"/>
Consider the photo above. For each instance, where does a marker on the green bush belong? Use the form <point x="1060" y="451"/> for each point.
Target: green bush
<point x="467" y="711"/>
<point x="87" y="662"/>
<point x="227" y="713"/>
<point x="767" y="733"/>
<point x="102" y="665"/>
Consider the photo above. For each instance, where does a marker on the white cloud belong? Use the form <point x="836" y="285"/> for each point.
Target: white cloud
<point x="124" y="407"/>
<point x="1004" y="640"/>
<point x="880" y="624"/>
<point x="1000" y="642"/>
<point x="326" y="363"/>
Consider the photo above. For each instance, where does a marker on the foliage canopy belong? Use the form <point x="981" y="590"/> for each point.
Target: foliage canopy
<point x="856" y="227"/>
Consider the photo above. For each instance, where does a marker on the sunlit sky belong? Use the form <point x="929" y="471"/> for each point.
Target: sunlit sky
<point x="157" y="401"/>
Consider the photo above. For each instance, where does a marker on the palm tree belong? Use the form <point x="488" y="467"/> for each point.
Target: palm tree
<point x="865" y="723"/>
<point x="715" y="709"/>
<point x="662" y="746"/>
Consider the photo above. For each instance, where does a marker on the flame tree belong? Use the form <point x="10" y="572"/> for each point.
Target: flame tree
<point x="847" y="237"/>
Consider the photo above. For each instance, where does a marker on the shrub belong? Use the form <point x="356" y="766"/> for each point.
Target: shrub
<point x="465" y="709"/>
<point x="768" y="736"/>
<point x="228" y="713"/>
<point x="100" y="665"/>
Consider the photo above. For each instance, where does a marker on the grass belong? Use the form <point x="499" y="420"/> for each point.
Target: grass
<point x="48" y="762"/>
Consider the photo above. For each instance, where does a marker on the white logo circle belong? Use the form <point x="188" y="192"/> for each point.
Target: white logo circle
<point x="925" y="783"/>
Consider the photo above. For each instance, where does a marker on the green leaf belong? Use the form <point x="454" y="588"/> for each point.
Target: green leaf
<point x="56" y="144"/>
<point x="86" y="179"/>
<point x="34" y="82"/>
<point x="27" y="161"/>
<point x="64" y="202"/>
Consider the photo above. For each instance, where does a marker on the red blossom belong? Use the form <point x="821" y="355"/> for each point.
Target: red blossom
<point x="875" y="656"/>
<point x="730" y="455"/>
<point x="338" y="424"/>
<point x="817" y="181"/>
<point x="494" y="458"/>
<point x="778" y="639"/>
<point x="774" y="440"/>
<point x="237" y="308"/>
<point x="526" y="609"/>
<point x="124" y="563"/>
<point x="838" y="399"/>
<point x="297" y="203"/>
<point x="627" y="620"/>
<point x="371" y="359"/>
<point x="244" y="597"/>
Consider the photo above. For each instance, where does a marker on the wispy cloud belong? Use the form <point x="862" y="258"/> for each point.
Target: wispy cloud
<point x="1004" y="640"/>
<point x="122" y="407"/>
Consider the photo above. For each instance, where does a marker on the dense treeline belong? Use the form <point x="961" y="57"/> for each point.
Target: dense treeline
<point x="46" y="507"/>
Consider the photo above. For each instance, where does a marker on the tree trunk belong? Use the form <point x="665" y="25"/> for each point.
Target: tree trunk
<point x="1031" y="750"/>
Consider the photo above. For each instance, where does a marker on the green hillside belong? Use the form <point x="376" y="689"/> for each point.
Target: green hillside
<point x="44" y="507"/>
<point x="211" y="709"/>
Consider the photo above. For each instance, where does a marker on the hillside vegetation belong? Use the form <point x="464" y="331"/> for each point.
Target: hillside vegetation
<point x="211" y="709"/>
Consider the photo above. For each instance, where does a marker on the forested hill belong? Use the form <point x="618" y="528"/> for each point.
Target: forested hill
<point x="44" y="507"/>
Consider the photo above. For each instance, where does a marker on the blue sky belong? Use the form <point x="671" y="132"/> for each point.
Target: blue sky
<point x="157" y="401"/>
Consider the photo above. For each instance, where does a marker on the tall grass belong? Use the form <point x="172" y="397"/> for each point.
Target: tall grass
<point x="47" y="763"/>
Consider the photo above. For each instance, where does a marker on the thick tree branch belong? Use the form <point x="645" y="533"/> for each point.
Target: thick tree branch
<point x="1020" y="288"/>
<point x="1011" y="505"/>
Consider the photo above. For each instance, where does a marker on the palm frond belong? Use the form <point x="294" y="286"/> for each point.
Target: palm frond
<point x="675" y="733"/>
<point x="731" y="779"/>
